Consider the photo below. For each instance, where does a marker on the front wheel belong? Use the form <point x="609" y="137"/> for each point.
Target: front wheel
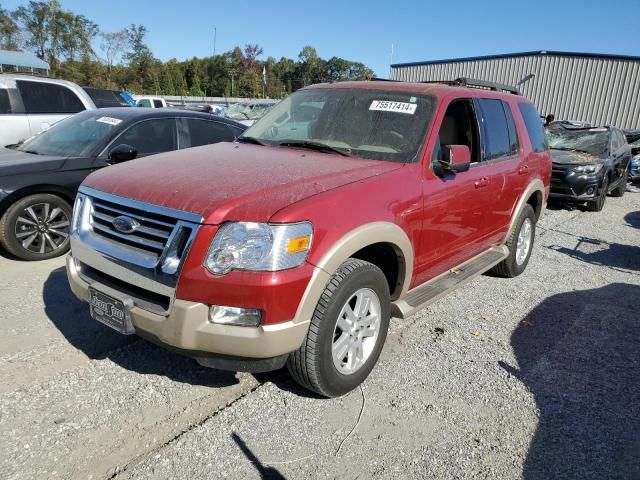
<point x="36" y="227"/>
<point x="347" y="331"/>
<point x="598" y="204"/>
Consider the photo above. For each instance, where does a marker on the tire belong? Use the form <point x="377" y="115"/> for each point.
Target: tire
<point x="598" y="204"/>
<point x="313" y="365"/>
<point x="622" y="186"/>
<point x="25" y="232"/>
<point x="517" y="261"/>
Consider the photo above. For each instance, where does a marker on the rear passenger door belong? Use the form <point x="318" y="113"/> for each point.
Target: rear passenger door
<point x="14" y="125"/>
<point x="205" y="132"/>
<point x="502" y="159"/>
<point x="47" y="103"/>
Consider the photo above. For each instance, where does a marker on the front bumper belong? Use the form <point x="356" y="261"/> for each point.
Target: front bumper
<point x="568" y="185"/>
<point x="187" y="329"/>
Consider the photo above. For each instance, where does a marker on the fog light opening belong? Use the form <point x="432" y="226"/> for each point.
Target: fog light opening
<point x="243" y="317"/>
<point x="590" y="191"/>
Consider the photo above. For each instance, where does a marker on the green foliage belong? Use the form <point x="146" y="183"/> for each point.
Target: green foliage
<point x="65" y="40"/>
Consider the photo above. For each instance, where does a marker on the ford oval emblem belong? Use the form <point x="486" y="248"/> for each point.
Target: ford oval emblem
<point x="125" y="224"/>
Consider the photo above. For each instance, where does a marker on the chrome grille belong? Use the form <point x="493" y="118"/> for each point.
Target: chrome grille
<point x="145" y="261"/>
<point x="151" y="236"/>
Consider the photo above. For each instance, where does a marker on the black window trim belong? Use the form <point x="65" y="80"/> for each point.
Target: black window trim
<point x="84" y="106"/>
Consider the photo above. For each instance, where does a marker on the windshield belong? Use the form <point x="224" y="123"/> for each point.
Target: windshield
<point x="248" y="111"/>
<point x="75" y="136"/>
<point x="372" y="124"/>
<point x="592" y="140"/>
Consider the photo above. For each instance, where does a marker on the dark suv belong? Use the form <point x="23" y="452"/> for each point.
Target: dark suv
<point x="588" y="163"/>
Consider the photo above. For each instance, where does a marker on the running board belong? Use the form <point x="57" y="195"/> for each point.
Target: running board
<point x="429" y="292"/>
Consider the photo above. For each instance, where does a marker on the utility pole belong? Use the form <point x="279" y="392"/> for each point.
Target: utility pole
<point x="215" y="34"/>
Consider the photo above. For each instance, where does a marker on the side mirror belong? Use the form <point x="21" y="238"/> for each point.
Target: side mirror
<point x="457" y="159"/>
<point x="122" y="153"/>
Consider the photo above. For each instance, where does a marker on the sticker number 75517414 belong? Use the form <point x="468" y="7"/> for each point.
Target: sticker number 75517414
<point x="398" y="107"/>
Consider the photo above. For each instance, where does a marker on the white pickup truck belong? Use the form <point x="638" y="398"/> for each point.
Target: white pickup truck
<point x="151" y="102"/>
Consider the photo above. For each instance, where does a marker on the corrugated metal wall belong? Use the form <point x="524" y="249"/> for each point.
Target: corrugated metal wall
<point x="603" y="91"/>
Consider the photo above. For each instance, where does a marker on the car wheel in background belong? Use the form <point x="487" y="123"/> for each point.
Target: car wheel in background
<point x="520" y="244"/>
<point x="347" y="331"/>
<point x="622" y="186"/>
<point x="598" y="204"/>
<point x="36" y="227"/>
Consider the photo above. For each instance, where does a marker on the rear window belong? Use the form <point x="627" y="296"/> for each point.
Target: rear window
<point x="40" y="97"/>
<point x="157" y="103"/>
<point x="105" y="98"/>
<point x="533" y="123"/>
<point x="5" y="106"/>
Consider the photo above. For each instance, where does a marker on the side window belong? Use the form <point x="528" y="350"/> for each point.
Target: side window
<point x="621" y="139"/>
<point x="495" y="129"/>
<point x="40" y="97"/>
<point x="513" y="132"/>
<point x="204" y="132"/>
<point x="145" y="102"/>
<point x="534" y="127"/>
<point x="459" y="127"/>
<point x="615" y="141"/>
<point x="5" y="106"/>
<point x="157" y="103"/>
<point x="150" y="136"/>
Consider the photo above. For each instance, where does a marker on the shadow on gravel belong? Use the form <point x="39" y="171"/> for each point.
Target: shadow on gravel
<point x="266" y="472"/>
<point x="599" y="252"/>
<point x="97" y="341"/>
<point x="579" y="354"/>
<point x="633" y="219"/>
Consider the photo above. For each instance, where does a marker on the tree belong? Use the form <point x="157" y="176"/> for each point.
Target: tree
<point x="114" y="45"/>
<point x="137" y="48"/>
<point x="9" y="31"/>
<point x="34" y="19"/>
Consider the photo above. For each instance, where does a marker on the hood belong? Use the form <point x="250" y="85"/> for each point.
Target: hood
<point x="14" y="162"/>
<point x="568" y="157"/>
<point x="230" y="181"/>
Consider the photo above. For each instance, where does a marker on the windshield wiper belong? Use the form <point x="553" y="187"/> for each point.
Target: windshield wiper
<point x="320" y="147"/>
<point x="254" y="140"/>
<point x="32" y="152"/>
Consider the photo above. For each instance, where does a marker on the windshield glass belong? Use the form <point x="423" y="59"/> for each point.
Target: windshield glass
<point x="247" y="111"/>
<point x="372" y="124"/>
<point x="75" y="136"/>
<point x="592" y="140"/>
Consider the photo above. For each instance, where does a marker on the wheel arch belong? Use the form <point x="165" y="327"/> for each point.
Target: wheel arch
<point x="533" y="195"/>
<point x="364" y="242"/>
<point x="19" y="194"/>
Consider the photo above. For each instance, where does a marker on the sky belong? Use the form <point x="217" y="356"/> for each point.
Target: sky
<point x="365" y="31"/>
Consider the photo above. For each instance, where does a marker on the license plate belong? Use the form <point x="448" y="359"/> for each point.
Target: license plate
<point x="110" y="311"/>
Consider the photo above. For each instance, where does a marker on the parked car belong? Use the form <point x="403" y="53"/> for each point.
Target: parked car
<point x="248" y="113"/>
<point x="29" y="105"/>
<point x="151" y="102"/>
<point x="588" y="164"/>
<point x="633" y="137"/>
<point x="39" y="179"/>
<point x="275" y="250"/>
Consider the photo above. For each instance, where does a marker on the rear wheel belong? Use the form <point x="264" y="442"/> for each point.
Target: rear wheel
<point x="520" y="244"/>
<point x="598" y="204"/>
<point x="36" y="227"/>
<point x="347" y="331"/>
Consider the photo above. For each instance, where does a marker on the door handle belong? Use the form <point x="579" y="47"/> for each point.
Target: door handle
<point x="523" y="169"/>
<point x="481" y="182"/>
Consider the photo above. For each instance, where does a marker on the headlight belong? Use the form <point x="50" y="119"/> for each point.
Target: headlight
<point x="588" y="168"/>
<point x="260" y="247"/>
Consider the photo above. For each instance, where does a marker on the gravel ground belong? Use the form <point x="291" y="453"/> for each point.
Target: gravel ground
<point x="535" y="377"/>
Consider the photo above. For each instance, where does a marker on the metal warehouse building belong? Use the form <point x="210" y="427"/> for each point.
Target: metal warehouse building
<point x="600" y="89"/>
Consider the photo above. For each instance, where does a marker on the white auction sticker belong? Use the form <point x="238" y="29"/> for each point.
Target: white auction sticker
<point x="109" y="120"/>
<point x="398" y="107"/>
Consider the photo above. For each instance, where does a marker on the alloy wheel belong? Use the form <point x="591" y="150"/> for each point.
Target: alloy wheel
<point x="42" y="228"/>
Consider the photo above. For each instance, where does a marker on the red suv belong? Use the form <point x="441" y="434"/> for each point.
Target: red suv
<point x="346" y="205"/>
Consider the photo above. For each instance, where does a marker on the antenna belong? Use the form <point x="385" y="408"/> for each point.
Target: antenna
<point x="525" y="79"/>
<point x="391" y="61"/>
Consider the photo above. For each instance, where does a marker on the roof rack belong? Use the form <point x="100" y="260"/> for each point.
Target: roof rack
<point x="466" y="82"/>
<point x="474" y="83"/>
